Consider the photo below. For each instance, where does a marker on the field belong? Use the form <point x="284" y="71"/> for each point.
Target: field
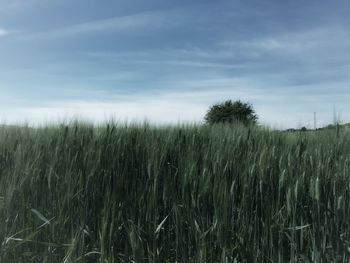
<point x="123" y="193"/>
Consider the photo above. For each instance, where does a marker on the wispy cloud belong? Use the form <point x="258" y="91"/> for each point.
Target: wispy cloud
<point x="159" y="110"/>
<point x="128" y="23"/>
<point x="162" y="107"/>
<point x="294" y="42"/>
<point x="4" y="32"/>
<point x="170" y="61"/>
<point x="173" y="57"/>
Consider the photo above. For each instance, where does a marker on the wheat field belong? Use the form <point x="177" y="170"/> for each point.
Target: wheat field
<point x="138" y="193"/>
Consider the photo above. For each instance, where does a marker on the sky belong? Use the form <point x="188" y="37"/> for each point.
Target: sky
<point x="167" y="61"/>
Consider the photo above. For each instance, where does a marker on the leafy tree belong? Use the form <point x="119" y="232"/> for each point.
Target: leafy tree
<point x="231" y="112"/>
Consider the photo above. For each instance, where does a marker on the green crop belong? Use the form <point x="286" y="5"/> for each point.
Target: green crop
<point x="123" y="193"/>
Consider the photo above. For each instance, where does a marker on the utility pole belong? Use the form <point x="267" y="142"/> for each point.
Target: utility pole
<point x="315" y="127"/>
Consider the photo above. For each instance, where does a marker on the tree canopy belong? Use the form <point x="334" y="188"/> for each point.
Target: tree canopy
<point x="231" y="112"/>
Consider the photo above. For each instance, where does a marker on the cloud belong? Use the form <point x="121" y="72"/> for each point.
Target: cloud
<point x="285" y="64"/>
<point x="301" y="44"/>
<point x="159" y="107"/>
<point x="4" y="32"/>
<point x="194" y="58"/>
<point x="173" y="108"/>
<point x="127" y="23"/>
<point x="172" y="101"/>
<point x="156" y="111"/>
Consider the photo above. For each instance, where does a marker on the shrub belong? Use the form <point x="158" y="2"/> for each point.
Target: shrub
<point x="231" y="112"/>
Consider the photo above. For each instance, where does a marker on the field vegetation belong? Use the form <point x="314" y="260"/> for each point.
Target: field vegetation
<point x="211" y="193"/>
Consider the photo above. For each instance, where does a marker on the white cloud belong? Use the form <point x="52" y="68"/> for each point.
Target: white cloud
<point x="126" y="23"/>
<point x="175" y="58"/>
<point x="157" y="107"/>
<point x="156" y="111"/>
<point x="4" y="32"/>
<point x="275" y="108"/>
<point x="295" y="41"/>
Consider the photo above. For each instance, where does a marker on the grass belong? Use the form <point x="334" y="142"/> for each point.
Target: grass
<point x="118" y="193"/>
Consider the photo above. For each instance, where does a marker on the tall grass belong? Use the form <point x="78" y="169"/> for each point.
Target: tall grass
<point x="77" y="193"/>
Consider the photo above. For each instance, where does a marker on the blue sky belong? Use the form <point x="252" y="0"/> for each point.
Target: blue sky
<point x="168" y="61"/>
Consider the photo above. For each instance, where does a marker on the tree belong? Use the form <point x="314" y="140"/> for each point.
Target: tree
<point x="231" y="112"/>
